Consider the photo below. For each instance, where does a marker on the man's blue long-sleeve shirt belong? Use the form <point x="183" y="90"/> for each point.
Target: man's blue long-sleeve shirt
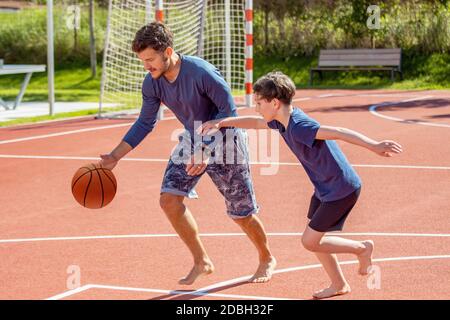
<point x="198" y="94"/>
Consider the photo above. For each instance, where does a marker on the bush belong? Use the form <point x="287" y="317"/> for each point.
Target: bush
<point x="302" y="27"/>
<point x="23" y="36"/>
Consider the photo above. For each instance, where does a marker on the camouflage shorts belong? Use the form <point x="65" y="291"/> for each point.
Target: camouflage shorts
<point x="233" y="180"/>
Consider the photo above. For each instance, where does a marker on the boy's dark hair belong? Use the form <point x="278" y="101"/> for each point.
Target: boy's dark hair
<point x="275" y="85"/>
<point x="155" y="35"/>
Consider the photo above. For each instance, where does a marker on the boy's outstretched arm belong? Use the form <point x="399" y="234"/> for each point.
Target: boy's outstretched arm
<point x="244" y="122"/>
<point x="383" y="148"/>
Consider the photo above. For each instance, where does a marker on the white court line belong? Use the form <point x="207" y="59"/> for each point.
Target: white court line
<point x="381" y="95"/>
<point x="357" y="95"/>
<point x="328" y="95"/>
<point x="70" y="292"/>
<point x="65" y="133"/>
<point x="417" y="98"/>
<point x="271" y="234"/>
<point x="315" y="266"/>
<point x="58" y="134"/>
<point x="14" y="156"/>
<point x="373" y="111"/>
<point x="204" y="291"/>
<point x="168" y="292"/>
<point x="400" y="166"/>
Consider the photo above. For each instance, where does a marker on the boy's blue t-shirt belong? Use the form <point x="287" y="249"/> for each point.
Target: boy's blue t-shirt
<point x="199" y="93"/>
<point x="327" y="167"/>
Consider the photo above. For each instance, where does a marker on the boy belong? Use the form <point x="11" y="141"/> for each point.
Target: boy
<point x="337" y="185"/>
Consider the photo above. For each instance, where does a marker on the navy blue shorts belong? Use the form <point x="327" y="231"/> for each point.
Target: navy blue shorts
<point x="233" y="180"/>
<point x="331" y="216"/>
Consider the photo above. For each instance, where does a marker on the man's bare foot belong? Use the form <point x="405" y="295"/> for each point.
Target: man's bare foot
<point x="331" y="292"/>
<point x="264" y="272"/>
<point x="198" y="270"/>
<point x="365" y="258"/>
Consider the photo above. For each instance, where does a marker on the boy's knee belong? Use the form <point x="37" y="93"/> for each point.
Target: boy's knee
<point x="170" y="203"/>
<point x="309" y="244"/>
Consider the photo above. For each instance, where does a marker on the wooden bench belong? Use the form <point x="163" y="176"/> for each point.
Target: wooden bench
<point x="359" y="59"/>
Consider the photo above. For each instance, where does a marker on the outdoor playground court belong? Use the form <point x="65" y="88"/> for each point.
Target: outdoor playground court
<point x="128" y="250"/>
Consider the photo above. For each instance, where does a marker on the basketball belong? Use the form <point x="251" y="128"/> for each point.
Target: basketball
<point x="94" y="187"/>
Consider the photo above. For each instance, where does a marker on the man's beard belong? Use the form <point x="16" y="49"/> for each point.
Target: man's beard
<point x="166" y="67"/>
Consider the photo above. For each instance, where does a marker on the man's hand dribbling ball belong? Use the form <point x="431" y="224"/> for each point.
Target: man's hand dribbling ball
<point x="108" y="161"/>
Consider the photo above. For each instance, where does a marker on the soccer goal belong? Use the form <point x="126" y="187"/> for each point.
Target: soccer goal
<point x="219" y="31"/>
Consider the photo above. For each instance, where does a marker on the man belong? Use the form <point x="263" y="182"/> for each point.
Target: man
<point x="195" y="91"/>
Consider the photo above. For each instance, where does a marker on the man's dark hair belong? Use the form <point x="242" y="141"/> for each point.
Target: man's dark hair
<point x="275" y="85"/>
<point x="155" y="35"/>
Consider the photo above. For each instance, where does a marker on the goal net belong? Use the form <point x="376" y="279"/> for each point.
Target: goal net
<point x="215" y="30"/>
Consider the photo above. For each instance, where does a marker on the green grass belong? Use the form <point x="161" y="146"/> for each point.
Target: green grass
<point x="72" y="83"/>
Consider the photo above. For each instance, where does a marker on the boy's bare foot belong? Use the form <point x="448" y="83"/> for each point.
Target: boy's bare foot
<point x="198" y="270"/>
<point x="365" y="258"/>
<point x="331" y="292"/>
<point x="264" y="272"/>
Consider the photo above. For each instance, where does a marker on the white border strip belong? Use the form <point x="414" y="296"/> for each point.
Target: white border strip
<point x="173" y="235"/>
<point x="393" y="166"/>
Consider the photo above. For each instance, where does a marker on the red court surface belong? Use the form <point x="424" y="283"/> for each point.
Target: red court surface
<point x="128" y="250"/>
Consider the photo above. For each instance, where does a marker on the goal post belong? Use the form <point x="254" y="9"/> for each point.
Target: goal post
<point x="219" y="31"/>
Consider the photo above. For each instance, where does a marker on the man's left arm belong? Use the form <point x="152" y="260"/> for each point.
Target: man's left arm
<point x="219" y="92"/>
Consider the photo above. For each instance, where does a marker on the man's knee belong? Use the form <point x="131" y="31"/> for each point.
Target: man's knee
<point x="170" y="203"/>
<point x="244" y="222"/>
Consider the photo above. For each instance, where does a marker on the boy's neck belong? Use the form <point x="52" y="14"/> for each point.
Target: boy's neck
<point x="284" y="114"/>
